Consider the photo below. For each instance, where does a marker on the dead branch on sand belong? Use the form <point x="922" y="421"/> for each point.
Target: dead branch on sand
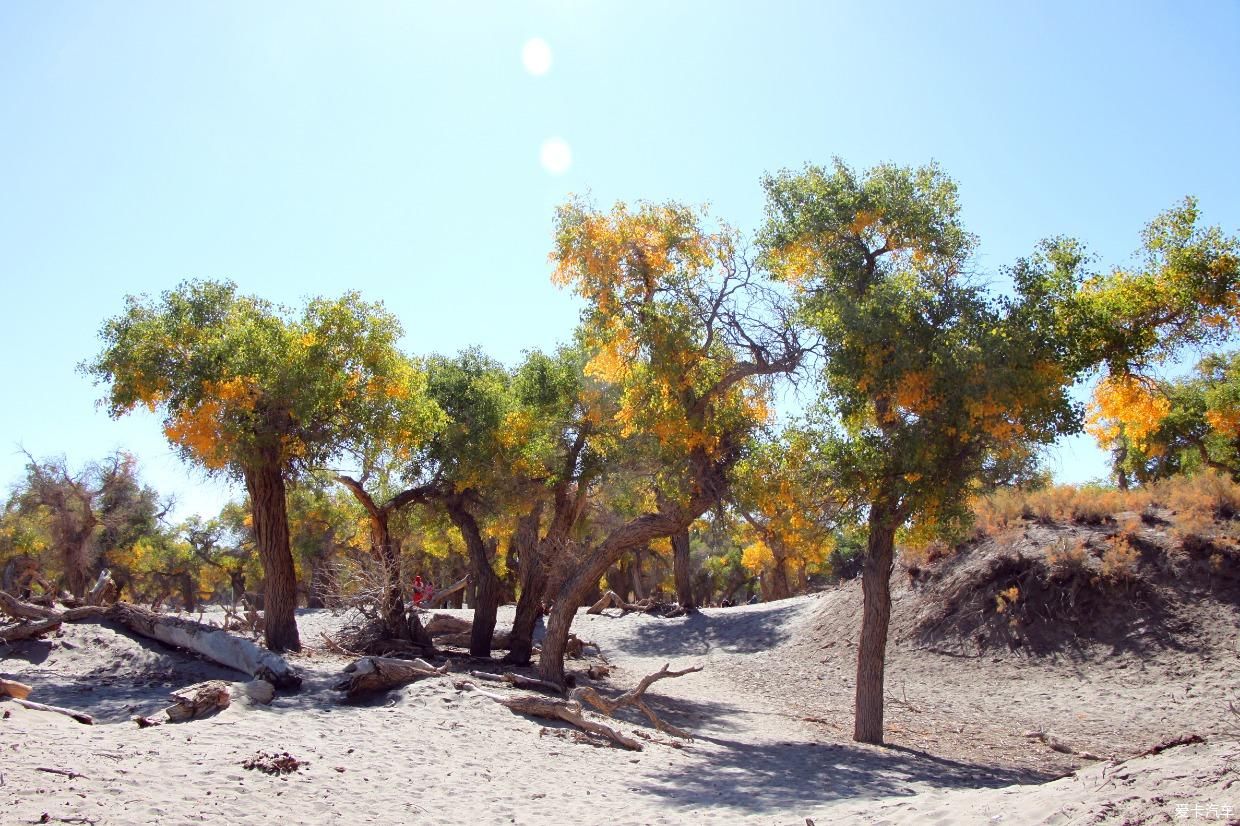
<point x="1055" y="744"/>
<point x="81" y="717"/>
<point x="634" y="697"/>
<point x="568" y="711"/>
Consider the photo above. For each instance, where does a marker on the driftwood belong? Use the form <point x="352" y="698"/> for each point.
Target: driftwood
<point x="12" y="688"/>
<point x="209" y="641"/>
<point x="17" y="609"/>
<point x="371" y="674"/>
<point x="446" y="629"/>
<point x="28" y="630"/>
<point x="611" y="599"/>
<point x="518" y="681"/>
<point x="548" y="708"/>
<point x="1055" y="744"/>
<point x="81" y="717"/>
<point x="633" y="697"/>
<point x="33" y="611"/>
<point x="441" y="625"/>
<point x="440" y="597"/>
<point x="105" y="590"/>
<point x="200" y="700"/>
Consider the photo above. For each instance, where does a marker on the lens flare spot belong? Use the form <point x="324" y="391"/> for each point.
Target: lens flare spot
<point x="536" y="56"/>
<point x="556" y="156"/>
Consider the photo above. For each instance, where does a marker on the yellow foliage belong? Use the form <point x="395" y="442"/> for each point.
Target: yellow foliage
<point x="202" y="429"/>
<point x="1126" y="405"/>
<point x="757" y="557"/>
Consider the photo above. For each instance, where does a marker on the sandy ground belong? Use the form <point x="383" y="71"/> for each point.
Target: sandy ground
<point x="770" y="715"/>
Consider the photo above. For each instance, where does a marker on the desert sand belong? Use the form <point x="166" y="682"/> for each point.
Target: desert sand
<point x="769" y="713"/>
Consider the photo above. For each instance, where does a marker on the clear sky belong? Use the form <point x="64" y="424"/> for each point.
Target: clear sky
<point x="416" y="151"/>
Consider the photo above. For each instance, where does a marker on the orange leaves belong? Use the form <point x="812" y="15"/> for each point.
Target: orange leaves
<point x="1225" y="422"/>
<point x="1128" y="406"/>
<point x="202" y="429"/>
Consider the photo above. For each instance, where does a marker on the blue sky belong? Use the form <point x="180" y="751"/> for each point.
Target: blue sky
<point x="394" y="148"/>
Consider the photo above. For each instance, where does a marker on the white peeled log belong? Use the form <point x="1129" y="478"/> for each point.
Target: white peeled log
<point x="214" y="644"/>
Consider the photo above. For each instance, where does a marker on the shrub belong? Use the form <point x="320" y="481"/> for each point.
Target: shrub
<point x="1120" y="560"/>
<point x="1067" y="559"/>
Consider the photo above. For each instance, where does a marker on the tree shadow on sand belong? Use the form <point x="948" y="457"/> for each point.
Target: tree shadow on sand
<point x="784" y="776"/>
<point x="745" y="630"/>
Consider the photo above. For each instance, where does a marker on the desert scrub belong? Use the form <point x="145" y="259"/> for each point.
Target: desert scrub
<point x="1120" y="560"/>
<point x="1068" y="559"/>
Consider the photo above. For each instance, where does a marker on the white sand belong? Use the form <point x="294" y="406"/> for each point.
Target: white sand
<point x="431" y="754"/>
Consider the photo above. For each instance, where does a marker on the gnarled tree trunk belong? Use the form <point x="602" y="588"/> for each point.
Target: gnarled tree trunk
<point x="486" y="601"/>
<point x="533" y="580"/>
<point x="265" y="484"/>
<point x="875" y="617"/>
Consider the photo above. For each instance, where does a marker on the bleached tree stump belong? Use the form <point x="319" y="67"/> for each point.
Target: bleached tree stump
<point x="199" y="700"/>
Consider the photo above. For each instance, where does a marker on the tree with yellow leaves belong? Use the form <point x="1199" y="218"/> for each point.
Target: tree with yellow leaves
<point x="1158" y="428"/>
<point x="927" y="380"/>
<point x="679" y="322"/>
<point x="247" y="389"/>
<point x="790" y="517"/>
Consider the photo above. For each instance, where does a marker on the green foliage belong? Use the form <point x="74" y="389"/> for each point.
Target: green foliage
<point x="927" y="379"/>
<point x="240" y="382"/>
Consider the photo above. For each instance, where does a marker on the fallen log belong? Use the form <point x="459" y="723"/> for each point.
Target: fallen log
<point x="17" y="609"/>
<point x="199" y="700"/>
<point x="81" y="717"/>
<point x="518" y="681"/>
<point x="440" y="597"/>
<point x="440" y="625"/>
<point x="499" y="641"/>
<point x="32" y="611"/>
<point x="29" y="630"/>
<point x="569" y="711"/>
<point x="14" y="689"/>
<point x="634" y="697"/>
<point x="211" y="642"/>
<point x="371" y="674"/>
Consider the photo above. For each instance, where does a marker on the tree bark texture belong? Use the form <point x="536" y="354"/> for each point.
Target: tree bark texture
<point x="682" y="570"/>
<point x="269" y="509"/>
<point x="875" y="617"/>
<point x="486" y="602"/>
<point x="532" y="578"/>
<point x="636" y="533"/>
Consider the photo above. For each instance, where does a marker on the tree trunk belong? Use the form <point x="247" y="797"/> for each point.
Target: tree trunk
<point x="486" y="601"/>
<point x="635" y="577"/>
<point x="391" y="601"/>
<point x="682" y="570"/>
<point x="780" y="589"/>
<point x="533" y="580"/>
<point x="265" y="484"/>
<point x="876" y="614"/>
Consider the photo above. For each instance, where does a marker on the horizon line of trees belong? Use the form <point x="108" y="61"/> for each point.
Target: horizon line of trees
<point x="656" y="424"/>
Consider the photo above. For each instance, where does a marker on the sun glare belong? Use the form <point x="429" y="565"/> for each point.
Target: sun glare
<point x="555" y="156"/>
<point x="536" y="56"/>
